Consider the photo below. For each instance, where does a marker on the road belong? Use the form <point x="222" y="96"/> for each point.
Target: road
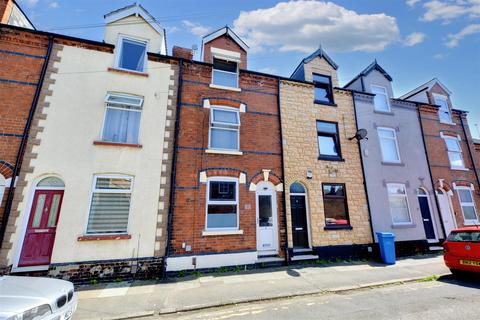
<point x="447" y="298"/>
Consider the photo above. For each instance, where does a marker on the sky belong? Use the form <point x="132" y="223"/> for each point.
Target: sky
<point x="413" y="40"/>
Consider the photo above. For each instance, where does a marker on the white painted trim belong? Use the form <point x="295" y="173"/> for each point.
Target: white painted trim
<point x="395" y="139"/>
<point x="224" y="126"/>
<point x="220" y="232"/>
<point x="119" y="50"/>
<point x="448" y="195"/>
<point x="242" y="178"/>
<point x="221" y="32"/>
<point x="216" y="86"/>
<point x="203" y="177"/>
<point x="437" y="97"/>
<point x="211" y="261"/>
<point x="219" y="151"/>
<point x="457" y="139"/>
<point x="243" y="107"/>
<point x="225" y="54"/>
<point x="206" y="103"/>
<point x="271" y="192"/>
<point x="208" y="201"/>
<point x="29" y="269"/>
<point x="279" y="187"/>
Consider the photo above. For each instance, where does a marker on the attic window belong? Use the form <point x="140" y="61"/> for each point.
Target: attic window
<point x="132" y="54"/>
<point x="323" y="89"/>
<point x="225" y="73"/>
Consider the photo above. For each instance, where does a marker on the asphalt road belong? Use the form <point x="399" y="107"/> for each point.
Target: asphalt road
<point x="446" y="298"/>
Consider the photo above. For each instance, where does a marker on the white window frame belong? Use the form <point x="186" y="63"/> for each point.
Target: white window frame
<point x="457" y="140"/>
<point x="119" y="51"/>
<point x="107" y="106"/>
<point x="228" y="72"/>
<point x="236" y="202"/>
<point x="3" y="186"/>
<point x="384" y="89"/>
<point x="94" y="190"/>
<point x="223" y="126"/>
<point x="395" y="139"/>
<point x="467" y="204"/>
<point x="438" y="97"/>
<point x="398" y="195"/>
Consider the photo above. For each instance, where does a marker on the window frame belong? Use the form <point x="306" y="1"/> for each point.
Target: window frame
<point x="437" y="97"/>
<point x="336" y="138"/>
<point x="345" y="197"/>
<point x="457" y="141"/>
<point x="236" y="202"/>
<point x="469" y="204"/>
<point x="118" y="54"/>
<point x="237" y="73"/>
<point x="225" y="127"/>
<point x="395" y="139"/>
<point x="109" y="94"/>
<point x="331" y="101"/>
<point x="389" y="109"/>
<point x="94" y="189"/>
<point x="395" y="184"/>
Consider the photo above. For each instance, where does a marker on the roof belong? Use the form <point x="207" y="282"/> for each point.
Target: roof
<point x="318" y="53"/>
<point x="228" y="31"/>
<point x="426" y="86"/>
<point x="372" y="66"/>
<point x="134" y="9"/>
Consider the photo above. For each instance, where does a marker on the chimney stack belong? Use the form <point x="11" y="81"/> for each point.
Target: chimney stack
<point x="184" y="53"/>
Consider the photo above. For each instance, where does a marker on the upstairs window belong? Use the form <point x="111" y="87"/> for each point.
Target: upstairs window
<point x="222" y="203"/>
<point x="132" y="54"/>
<point x="225" y="73"/>
<point x="468" y="206"/>
<point x="381" y="100"/>
<point x="323" y="88"/>
<point x="454" y="152"/>
<point x="122" y="118"/>
<point x="389" y="145"/>
<point x="444" y="111"/>
<point x="328" y="141"/>
<point x="224" y="129"/>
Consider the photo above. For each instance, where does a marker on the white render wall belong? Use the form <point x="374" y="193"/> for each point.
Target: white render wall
<point x="74" y="121"/>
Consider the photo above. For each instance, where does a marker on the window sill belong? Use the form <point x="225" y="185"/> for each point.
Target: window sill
<point x="218" y="151"/>
<point x="325" y="103"/>
<point x="398" y="164"/>
<point x="116" y="144"/>
<point x="338" y="227"/>
<point x="104" y="237"/>
<point x="390" y="113"/>
<point x="448" y="123"/>
<point x="470" y="223"/>
<point x="331" y="159"/>
<point x="130" y="72"/>
<point x="207" y="233"/>
<point x="403" y="225"/>
<point x="216" y="86"/>
<point x="459" y="169"/>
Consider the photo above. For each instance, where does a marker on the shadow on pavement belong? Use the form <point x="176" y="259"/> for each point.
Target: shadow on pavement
<point x="464" y="280"/>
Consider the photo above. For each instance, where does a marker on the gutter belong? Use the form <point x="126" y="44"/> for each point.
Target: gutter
<point x="23" y="142"/>
<point x="469" y="150"/>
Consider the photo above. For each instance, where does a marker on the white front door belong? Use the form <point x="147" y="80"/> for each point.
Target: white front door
<point x="267" y="231"/>
<point x="446" y="211"/>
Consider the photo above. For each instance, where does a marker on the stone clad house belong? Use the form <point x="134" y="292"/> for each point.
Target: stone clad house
<point x="92" y="196"/>
<point x="402" y="199"/>
<point x="326" y="203"/>
<point x="450" y="150"/>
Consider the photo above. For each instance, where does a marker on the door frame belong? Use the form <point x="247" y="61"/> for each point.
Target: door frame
<point x="450" y="207"/>
<point x="307" y="212"/>
<point x="24" y="225"/>
<point x="434" y="222"/>
<point x="272" y="192"/>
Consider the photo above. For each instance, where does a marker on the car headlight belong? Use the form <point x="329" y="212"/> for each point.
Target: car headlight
<point x="36" y="313"/>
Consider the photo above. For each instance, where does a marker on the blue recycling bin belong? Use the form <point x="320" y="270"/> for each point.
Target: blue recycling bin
<point x="386" y="241"/>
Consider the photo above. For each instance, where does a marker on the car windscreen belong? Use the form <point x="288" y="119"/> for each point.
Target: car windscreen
<point x="464" y="236"/>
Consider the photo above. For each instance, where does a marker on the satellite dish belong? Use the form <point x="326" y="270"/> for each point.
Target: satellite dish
<point x="360" y="135"/>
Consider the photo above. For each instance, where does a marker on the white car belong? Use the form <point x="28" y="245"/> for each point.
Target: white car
<point x="32" y="298"/>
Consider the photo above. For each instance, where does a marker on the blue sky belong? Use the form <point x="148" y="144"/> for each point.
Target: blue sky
<point x="414" y="40"/>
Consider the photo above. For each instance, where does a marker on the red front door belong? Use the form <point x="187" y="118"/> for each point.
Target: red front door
<point x="42" y="224"/>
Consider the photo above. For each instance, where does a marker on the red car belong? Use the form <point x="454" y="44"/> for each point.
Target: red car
<point x="462" y="250"/>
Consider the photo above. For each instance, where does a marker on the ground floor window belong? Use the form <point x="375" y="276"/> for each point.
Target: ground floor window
<point x="468" y="206"/>
<point x="335" y="204"/>
<point x="397" y="198"/>
<point x="110" y="204"/>
<point x="222" y="203"/>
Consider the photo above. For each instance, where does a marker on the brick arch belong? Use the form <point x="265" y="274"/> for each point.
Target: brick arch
<point x="463" y="183"/>
<point x="6" y="169"/>
<point x="272" y="177"/>
<point x="444" y="186"/>
<point x="222" y="101"/>
<point x="222" y="172"/>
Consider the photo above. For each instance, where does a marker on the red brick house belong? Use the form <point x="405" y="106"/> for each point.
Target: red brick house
<point x="451" y="154"/>
<point x="228" y="190"/>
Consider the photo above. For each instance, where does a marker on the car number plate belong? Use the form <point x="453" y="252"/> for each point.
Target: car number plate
<point x="68" y="314"/>
<point x="470" y="263"/>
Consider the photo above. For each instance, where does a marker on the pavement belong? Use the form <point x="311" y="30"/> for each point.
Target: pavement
<point x="129" y="300"/>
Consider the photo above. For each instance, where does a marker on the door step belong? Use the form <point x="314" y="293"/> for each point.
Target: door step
<point x="435" y="248"/>
<point x="302" y="257"/>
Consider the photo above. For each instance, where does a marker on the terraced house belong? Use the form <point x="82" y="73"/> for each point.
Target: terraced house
<point x="398" y="179"/>
<point x="327" y="209"/>
<point x="228" y="191"/>
<point x="93" y="190"/>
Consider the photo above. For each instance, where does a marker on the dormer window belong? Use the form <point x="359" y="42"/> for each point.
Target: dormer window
<point x="444" y="111"/>
<point x="225" y="73"/>
<point x="381" y="100"/>
<point x="323" y="89"/>
<point x="132" y="54"/>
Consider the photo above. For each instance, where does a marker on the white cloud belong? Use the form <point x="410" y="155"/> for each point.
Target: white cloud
<point x="412" y="3"/>
<point x="53" y="5"/>
<point x="454" y="39"/>
<point x="304" y="25"/>
<point x="448" y="10"/>
<point x="196" y="28"/>
<point x="414" y="39"/>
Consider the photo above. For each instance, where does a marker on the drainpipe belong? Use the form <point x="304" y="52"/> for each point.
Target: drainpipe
<point x="469" y="149"/>
<point x="23" y="142"/>
<point x="174" y="166"/>
<point x="363" y="168"/>
<point x="417" y="105"/>
<point x="284" y="205"/>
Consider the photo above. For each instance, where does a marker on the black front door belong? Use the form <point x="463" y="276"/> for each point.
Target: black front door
<point x="299" y="222"/>
<point x="427" y="218"/>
